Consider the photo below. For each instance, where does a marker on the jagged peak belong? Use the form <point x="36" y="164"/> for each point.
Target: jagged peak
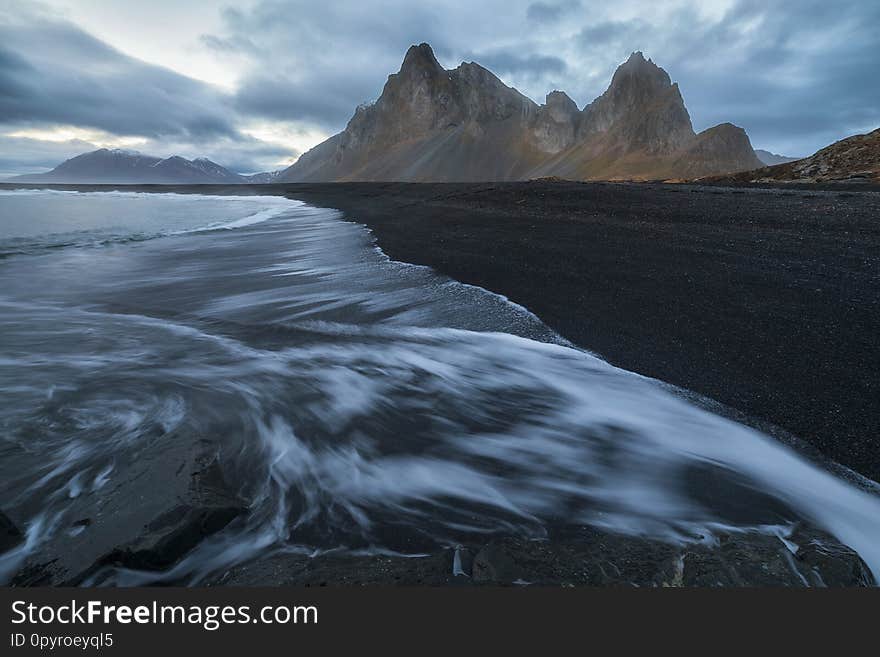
<point x="464" y="66"/>
<point x="637" y="56"/>
<point x="638" y="66"/>
<point x="420" y="58"/>
<point x="559" y="98"/>
<point x="476" y="72"/>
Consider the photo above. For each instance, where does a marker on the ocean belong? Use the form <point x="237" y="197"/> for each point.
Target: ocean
<point x="351" y="402"/>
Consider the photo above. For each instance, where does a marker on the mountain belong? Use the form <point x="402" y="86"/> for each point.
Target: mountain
<point x="432" y="124"/>
<point x="854" y="159"/>
<point x="262" y="178"/>
<point x="769" y="159"/>
<point x="122" y="166"/>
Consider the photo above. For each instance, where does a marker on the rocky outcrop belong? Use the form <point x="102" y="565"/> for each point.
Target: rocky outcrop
<point x="556" y="123"/>
<point x="723" y="149"/>
<point x="854" y="159"/>
<point x="582" y="557"/>
<point x="430" y="124"/>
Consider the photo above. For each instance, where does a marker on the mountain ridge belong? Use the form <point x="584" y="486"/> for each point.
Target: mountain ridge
<point x="121" y="166"/>
<point x="770" y="159"/>
<point x="465" y="124"/>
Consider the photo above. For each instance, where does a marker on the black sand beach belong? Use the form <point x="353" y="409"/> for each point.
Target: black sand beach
<point x="764" y="299"/>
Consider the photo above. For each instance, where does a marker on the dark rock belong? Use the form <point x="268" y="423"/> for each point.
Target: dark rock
<point x="10" y="535"/>
<point x="584" y="557"/>
<point x="826" y="562"/>
<point x="167" y="539"/>
<point x="807" y="558"/>
<point x="36" y="574"/>
<point x="335" y="569"/>
<point x="580" y="556"/>
<point x="498" y="563"/>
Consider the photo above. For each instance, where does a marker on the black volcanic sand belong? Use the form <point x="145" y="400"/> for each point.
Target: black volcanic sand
<point x="766" y="300"/>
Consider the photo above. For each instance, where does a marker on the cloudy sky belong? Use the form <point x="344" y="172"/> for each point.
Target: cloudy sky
<point x="253" y="83"/>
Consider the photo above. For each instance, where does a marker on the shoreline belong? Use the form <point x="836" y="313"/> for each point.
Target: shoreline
<point x="764" y="300"/>
<point x="731" y="339"/>
<point x="513" y="230"/>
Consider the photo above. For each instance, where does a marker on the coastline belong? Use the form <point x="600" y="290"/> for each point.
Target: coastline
<point x="763" y="299"/>
<point x="539" y="244"/>
<point x="769" y="308"/>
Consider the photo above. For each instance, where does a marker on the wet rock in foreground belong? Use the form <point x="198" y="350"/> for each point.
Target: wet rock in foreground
<point x="10" y="535"/>
<point x="168" y="539"/>
<point x="590" y="558"/>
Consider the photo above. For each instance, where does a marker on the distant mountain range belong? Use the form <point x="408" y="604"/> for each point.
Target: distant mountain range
<point x="465" y="124"/>
<point x="770" y="159"/>
<point x="854" y="159"/>
<point x="123" y="166"/>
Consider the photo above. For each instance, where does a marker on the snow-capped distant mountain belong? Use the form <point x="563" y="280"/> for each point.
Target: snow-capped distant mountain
<point x="263" y="177"/>
<point x="125" y="166"/>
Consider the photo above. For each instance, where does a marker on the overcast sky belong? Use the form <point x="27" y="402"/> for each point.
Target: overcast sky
<point x="253" y="83"/>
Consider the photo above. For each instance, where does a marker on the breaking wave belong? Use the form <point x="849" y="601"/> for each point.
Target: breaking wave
<point x="355" y="403"/>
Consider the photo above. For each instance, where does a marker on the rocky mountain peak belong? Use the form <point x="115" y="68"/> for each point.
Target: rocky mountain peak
<point x="641" y="109"/>
<point x="467" y="124"/>
<point x="637" y="66"/>
<point x="555" y="123"/>
<point x="636" y="82"/>
<point x="424" y="97"/>
<point x="723" y="148"/>
<point x="420" y="61"/>
<point x="559" y="104"/>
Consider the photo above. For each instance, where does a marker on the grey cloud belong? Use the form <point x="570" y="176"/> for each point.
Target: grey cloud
<point x="22" y="155"/>
<point x="331" y="104"/>
<point x="503" y="63"/>
<point x="243" y="154"/>
<point x="236" y="44"/>
<point x="760" y="65"/>
<point x="795" y="75"/>
<point x="548" y="12"/>
<point x="780" y="87"/>
<point x="249" y="157"/>
<point x="317" y="62"/>
<point x="52" y="72"/>
<point x="606" y="32"/>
